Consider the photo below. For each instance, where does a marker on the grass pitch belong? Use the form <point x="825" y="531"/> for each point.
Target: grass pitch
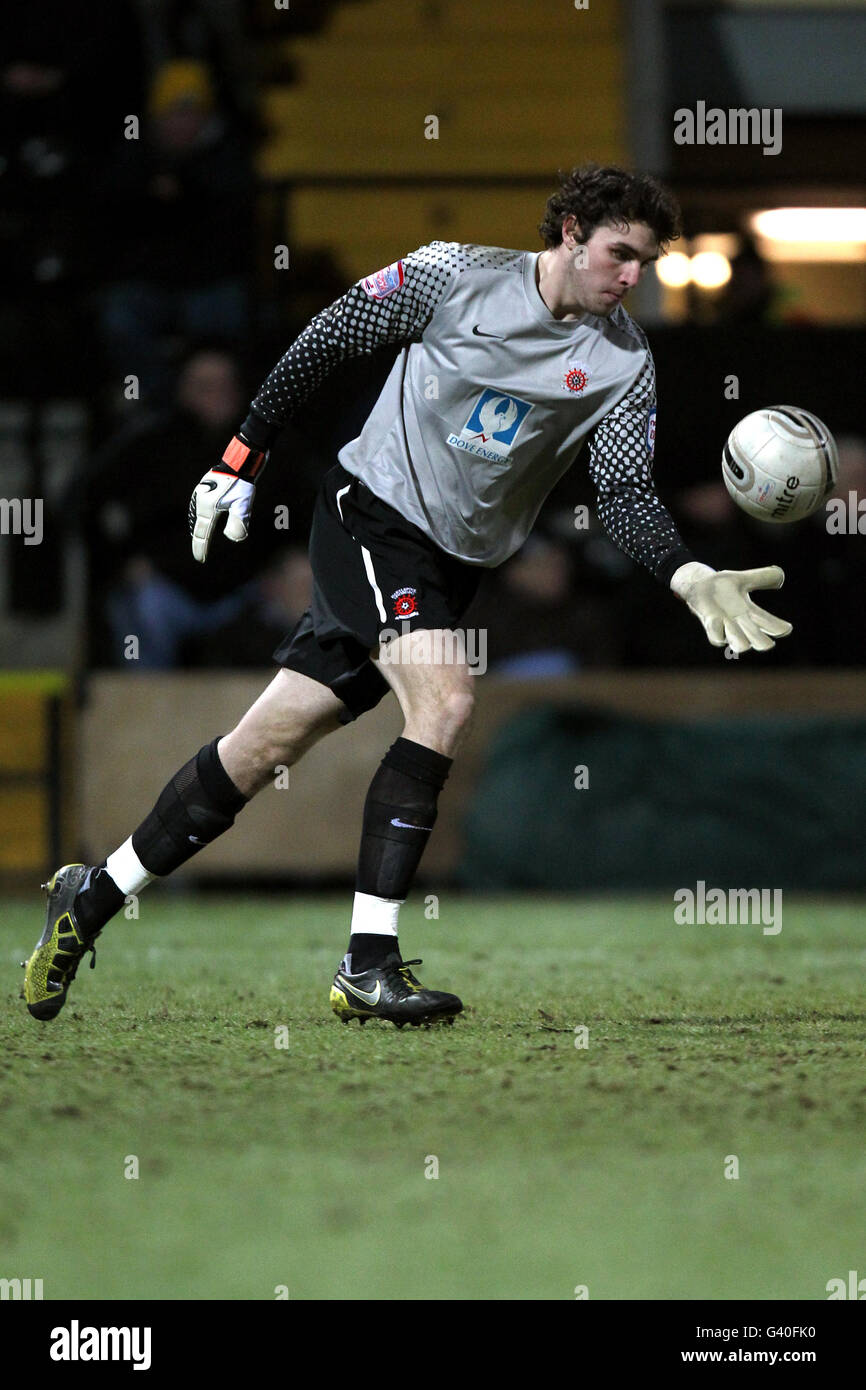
<point x="558" y="1166"/>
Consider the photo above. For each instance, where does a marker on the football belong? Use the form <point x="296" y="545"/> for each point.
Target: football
<point x="780" y="463"/>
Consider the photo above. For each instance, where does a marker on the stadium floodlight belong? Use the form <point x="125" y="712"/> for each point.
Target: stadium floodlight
<point x="710" y="270"/>
<point x="811" y="234"/>
<point x="674" y="270"/>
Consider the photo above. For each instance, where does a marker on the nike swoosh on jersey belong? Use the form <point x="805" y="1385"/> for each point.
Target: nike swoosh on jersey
<point x="477" y="331"/>
<point x="404" y="825"/>
<point x="209" y="485"/>
<point x="368" y="998"/>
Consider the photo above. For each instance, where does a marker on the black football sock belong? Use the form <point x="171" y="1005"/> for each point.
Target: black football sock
<point x="198" y="804"/>
<point x="97" y="900"/>
<point x="369" y="950"/>
<point x="399" y="814"/>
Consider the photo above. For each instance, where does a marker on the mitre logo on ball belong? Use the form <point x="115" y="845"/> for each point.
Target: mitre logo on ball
<point x="780" y="463"/>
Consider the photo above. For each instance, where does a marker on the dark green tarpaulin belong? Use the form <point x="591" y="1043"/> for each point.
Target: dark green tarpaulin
<point x="751" y="802"/>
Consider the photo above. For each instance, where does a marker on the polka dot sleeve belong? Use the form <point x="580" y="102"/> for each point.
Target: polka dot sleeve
<point x="620" y="465"/>
<point x="393" y="306"/>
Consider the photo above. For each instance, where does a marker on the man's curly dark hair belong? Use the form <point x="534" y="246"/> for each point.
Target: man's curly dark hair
<point x="597" y="195"/>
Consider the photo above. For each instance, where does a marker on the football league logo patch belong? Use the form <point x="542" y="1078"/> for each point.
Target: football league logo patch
<point x="384" y="282"/>
<point x="764" y="493"/>
<point x="405" y="603"/>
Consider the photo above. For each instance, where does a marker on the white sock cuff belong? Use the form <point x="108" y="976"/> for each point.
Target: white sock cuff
<point x="375" y="916"/>
<point x="127" y="870"/>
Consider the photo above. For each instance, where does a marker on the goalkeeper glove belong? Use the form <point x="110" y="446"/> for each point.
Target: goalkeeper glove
<point x="720" y="599"/>
<point x="229" y="486"/>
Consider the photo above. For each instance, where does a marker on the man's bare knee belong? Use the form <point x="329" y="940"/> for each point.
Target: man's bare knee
<point x="440" y="718"/>
<point x="436" y="697"/>
<point x="291" y="715"/>
<point x="457" y="708"/>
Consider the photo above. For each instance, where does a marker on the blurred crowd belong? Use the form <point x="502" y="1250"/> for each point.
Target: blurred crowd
<point x="128" y="254"/>
<point x="569" y="600"/>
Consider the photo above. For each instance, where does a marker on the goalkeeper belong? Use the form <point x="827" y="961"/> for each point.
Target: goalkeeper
<point x="509" y="362"/>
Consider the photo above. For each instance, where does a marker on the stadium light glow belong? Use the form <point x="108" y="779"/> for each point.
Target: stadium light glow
<point x="728" y="243"/>
<point x="674" y="270"/>
<point x="811" y="234"/>
<point x="811" y="224"/>
<point x="710" y="270"/>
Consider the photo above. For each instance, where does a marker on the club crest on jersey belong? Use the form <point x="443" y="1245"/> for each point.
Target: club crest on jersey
<point x="576" y="377"/>
<point x="405" y="603"/>
<point x="492" y="427"/>
<point x="384" y="282"/>
<point x="651" y="433"/>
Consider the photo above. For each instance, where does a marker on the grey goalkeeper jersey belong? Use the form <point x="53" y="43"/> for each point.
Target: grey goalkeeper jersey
<point x="488" y="403"/>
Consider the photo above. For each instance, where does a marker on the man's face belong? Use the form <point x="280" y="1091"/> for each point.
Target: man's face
<point x="209" y="388"/>
<point x="609" y="264"/>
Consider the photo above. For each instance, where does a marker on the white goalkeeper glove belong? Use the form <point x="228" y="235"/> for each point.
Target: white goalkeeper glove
<point x="229" y="486"/>
<point x="720" y="599"/>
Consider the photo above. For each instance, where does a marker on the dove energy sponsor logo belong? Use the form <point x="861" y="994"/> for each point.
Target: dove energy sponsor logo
<point x="492" y="427"/>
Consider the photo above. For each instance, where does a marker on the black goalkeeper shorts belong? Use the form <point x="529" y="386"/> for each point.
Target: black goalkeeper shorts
<point x="373" y="573"/>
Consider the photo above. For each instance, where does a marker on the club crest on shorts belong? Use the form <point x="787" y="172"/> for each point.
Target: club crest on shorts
<point x="384" y="282"/>
<point x="577" y="377"/>
<point x="405" y="602"/>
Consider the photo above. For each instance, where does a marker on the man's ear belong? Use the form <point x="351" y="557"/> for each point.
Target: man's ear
<point x="570" y="228"/>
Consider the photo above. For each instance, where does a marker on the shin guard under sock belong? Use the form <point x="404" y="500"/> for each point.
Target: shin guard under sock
<point x="198" y="804"/>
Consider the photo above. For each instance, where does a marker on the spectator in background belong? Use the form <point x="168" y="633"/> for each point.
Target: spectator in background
<point x="281" y="596"/>
<point x="178" y="256"/>
<point x="143" y="581"/>
<point x="825" y="577"/>
<point x="826" y="570"/>
<point x="213" y="32"/>
<point x="749" y="296"/>
<point x="717" y="529"/>
<point x="70" y="70"/>
<point x="537" y="623"/>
